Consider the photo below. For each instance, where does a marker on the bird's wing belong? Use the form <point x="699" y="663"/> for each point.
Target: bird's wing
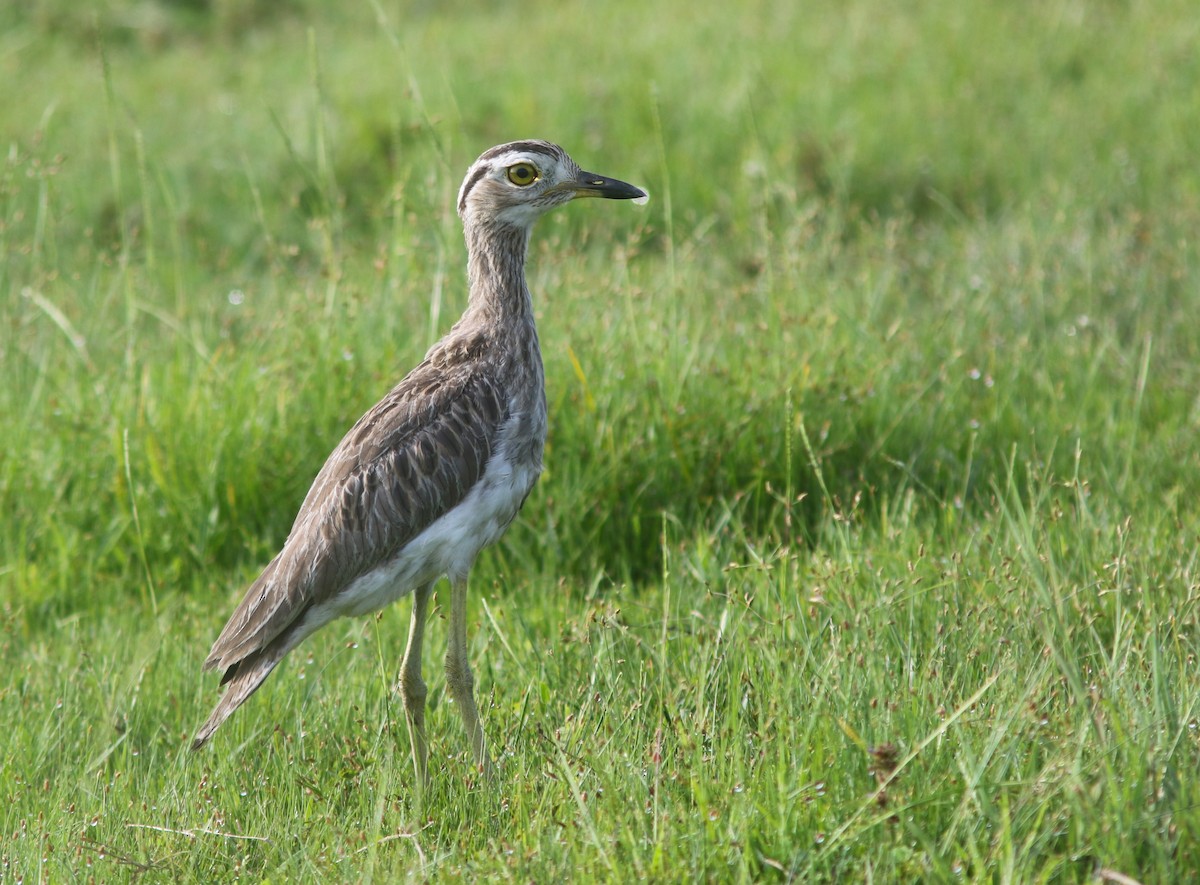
<point x="407" y="461"/>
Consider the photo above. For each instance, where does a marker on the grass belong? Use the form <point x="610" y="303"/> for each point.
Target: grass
<point x="867" y="546"/>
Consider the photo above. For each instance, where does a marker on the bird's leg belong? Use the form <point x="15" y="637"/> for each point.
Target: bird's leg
<point x="459" y="679"/>
<point x="412" y="687"/>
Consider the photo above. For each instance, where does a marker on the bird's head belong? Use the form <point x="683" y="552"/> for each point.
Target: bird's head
<point x="514" y="184"/>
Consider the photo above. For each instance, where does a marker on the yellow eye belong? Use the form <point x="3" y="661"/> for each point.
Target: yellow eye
<point x="522" y="174"/>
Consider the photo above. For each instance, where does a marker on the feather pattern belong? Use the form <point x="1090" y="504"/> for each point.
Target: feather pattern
<point x="411" y="457"/>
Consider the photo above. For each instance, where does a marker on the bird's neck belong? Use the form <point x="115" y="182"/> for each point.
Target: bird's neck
<point x="496" y="274"/>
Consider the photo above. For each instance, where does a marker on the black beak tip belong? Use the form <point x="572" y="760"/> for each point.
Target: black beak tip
<point x="610" y="188"/>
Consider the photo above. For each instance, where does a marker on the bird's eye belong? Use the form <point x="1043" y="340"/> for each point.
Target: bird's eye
<point x="522" y="174"/>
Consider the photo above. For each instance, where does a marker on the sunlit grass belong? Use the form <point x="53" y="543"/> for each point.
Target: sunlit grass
<point x="866" y="548"/>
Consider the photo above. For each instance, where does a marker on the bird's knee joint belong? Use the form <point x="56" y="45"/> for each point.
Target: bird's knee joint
<point x="412" y="689"/>
<point x="459" y="678"/>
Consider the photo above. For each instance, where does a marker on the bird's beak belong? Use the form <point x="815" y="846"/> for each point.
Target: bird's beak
<point x="589" y="184"/>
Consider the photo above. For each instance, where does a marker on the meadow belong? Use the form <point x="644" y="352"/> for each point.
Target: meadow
<point x="866" y="548"/>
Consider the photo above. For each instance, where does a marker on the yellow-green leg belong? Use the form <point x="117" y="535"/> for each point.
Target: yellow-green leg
<point x="412" y="687"/>
<point x="459" y="678"/>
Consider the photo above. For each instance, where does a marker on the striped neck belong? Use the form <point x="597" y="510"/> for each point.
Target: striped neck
<point x="496" y="273"/>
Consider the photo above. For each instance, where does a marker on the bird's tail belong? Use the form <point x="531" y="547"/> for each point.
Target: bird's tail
<point x="244" y="678"/>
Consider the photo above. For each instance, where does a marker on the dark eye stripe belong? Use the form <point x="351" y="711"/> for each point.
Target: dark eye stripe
<point x="528" y="147"/>
<point x="479" y="172"/>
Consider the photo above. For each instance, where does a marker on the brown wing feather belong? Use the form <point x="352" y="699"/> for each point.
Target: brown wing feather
<point x="244" y="678"/>
<point x="407" y="461"/>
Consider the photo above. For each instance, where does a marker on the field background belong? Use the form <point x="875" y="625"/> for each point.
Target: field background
<point x="867" y="546"/>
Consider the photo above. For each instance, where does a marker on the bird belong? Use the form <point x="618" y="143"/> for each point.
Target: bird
<point x="433" y="472"/>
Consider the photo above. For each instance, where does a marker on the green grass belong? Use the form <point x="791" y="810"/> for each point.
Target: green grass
<point x="867" y="546"/>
